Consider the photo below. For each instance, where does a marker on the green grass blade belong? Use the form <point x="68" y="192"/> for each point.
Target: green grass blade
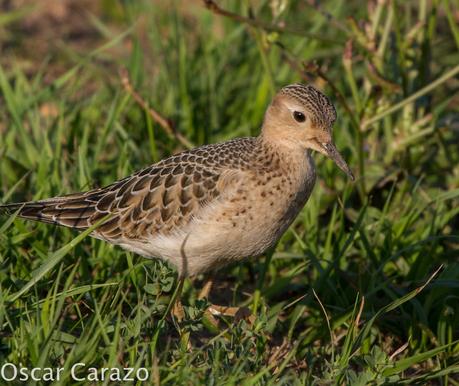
<point x="53" y="260"/>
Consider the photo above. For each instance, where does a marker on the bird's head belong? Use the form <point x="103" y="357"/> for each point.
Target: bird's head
<point x="303" y="116"/>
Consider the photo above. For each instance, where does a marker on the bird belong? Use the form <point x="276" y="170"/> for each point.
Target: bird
<point x="216" y="204"/>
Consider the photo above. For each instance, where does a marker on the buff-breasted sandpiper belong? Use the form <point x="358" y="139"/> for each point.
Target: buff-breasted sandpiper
<point x="215" y="204"/>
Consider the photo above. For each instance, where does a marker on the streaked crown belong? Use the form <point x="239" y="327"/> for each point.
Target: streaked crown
<point x="323" y="113"/>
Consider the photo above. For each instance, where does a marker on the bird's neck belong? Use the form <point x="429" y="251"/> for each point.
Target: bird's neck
<point x="290" y="159"/>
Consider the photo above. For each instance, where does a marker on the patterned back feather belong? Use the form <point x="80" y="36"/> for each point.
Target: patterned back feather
<point x="153" y="200"/>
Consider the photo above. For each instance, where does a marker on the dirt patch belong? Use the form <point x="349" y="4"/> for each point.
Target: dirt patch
<point x="36" y="30"/>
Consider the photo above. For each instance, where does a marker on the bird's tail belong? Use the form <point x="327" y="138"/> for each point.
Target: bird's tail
<point x="72" y="211"/>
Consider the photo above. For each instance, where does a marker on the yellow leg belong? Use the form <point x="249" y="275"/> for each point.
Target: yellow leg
<point x="177" y="311"/>
<point x="175" y="307"/>
<point x="204" y="293"/>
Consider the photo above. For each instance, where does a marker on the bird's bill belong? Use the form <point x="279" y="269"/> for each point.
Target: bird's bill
<point x="332" y="152"/>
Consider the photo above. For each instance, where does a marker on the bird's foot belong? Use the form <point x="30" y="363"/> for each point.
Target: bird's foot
<point x="214" y="310"/>
<point x="178" y="313"/>
<point x="238" y="313"/>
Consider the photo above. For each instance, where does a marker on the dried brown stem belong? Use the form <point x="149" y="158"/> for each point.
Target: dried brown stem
<point x="312" y="68"/>
<point x="292" y="61"/>
<point x="315" y="5"/>
<point x="216" y="9"/>
<point x="157" y="117"/>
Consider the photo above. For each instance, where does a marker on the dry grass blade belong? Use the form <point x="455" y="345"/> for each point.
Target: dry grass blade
<point x="332" y="336"/>
<point x="163" y="122"/>
<point x="359" y="314"/>
<point x="216" y="9"/>
<point x="399" y="350"/>
<point x="390" y="307"/>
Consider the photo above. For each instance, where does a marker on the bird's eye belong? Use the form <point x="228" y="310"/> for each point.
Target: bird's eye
<point x="299" y="116"/>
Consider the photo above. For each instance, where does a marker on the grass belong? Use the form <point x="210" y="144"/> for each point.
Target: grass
<point x="362" y="289"/>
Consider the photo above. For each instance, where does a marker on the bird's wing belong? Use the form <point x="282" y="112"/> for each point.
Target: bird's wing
<point x="155" y="200"/>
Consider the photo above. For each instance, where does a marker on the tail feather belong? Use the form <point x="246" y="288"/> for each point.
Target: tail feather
<point x="70" y="211"/>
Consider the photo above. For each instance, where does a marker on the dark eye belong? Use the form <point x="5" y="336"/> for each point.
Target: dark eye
<point x="299" y="116"/>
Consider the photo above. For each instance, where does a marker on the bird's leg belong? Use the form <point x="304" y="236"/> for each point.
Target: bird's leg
<point x="177" y="310"/>
<point x="175" y="307"/>
<point x="204" y="293"/>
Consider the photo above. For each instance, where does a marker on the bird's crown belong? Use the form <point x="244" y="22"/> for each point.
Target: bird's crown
<point x="322" y="111"/>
